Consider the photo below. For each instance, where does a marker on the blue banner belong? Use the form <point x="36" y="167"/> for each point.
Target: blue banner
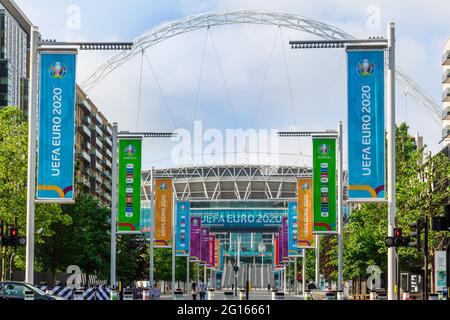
<point x="293" y="249"/>
<point x="240" y="218"/>
<point x="55" y="177"/>
<point x="366" y="137"/>
<point x="182" y="229"/>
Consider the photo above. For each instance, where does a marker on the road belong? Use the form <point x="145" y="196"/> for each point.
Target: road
<point x="219" y="295"/>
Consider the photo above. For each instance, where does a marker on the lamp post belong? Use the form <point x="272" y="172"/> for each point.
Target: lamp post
<point x="388" y="44"/>
<point x="35" y="45"/>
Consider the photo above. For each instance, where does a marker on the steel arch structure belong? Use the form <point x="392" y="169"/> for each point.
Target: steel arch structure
<point x="261" y="17"/>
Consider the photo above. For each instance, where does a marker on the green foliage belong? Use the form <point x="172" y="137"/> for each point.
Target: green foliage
<point x="421" y="190"/>
<point x="13" y="181"/>
<point x="163" y="266"/>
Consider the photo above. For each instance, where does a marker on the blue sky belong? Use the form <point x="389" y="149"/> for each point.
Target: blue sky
<point x="317" y="78"/>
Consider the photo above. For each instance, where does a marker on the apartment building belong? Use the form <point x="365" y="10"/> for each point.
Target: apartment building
<point x="93" y="145"/>
<point x="15" y="31"/>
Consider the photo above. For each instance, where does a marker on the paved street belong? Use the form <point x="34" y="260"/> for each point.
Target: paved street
<point x="219" y="295"/>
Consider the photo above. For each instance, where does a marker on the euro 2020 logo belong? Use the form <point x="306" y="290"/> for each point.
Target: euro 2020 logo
<point x="130" y="150"/>
<point x="163" y="186"/>
<point x="365" y="68"/>
<point x="58" y="70"/>
<point x="324" y="149"/>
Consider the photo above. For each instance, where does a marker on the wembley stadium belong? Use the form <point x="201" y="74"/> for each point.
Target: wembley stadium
<point x="253" y="198"/>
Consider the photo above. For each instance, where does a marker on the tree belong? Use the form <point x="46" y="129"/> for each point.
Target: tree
<point x="420" y="188"/>
<point x="13" y="181"/>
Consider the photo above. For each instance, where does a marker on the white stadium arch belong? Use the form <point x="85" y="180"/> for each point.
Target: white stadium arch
<point x="262" y="17"/>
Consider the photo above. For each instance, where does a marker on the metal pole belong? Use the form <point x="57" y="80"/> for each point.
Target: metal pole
<point x="198" y="272"/>
<point x="284" y="278"/>
<point x="262" y="271"/>
<point x="114" y="179"/>
<point x="448" y="271"/>
<point x="173" y="243"/>
<point x="187" y="274"/>
<point x="340" y="284"/>
<point x="152" y="229"/>
<point x="295" y="275"/>
<point x="303" y="271"/>
<point x="425" y="262"/>
<point x="317" y="240"/>
<point x="390" y="108"/>
<point x="31" y="174"/>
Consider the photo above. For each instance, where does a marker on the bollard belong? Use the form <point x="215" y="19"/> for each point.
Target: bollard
<point x="128" y="295"/>
<point x="210" y="294"/>
<point x="307" y="295"/>
<point x="29" y="295"/>
<point x="274" y="291"/>
<point x="279" y="296"/>
<point x="441" y="295"/>
<point x="178" y="294"/>
<point x="340" y="295"/>
<point x="145" y="294"/>
<point x="382" y="296"/>
<point x="113" y="294"/>
<point x="228" y="295"/>
<point x="433" y="296"/>
<point x="241" y="294"/>
<point x="406" y="295"/>
<point x="78" y="294"/>
<point x="373" y="295"/>
<point x="330" y="296"/>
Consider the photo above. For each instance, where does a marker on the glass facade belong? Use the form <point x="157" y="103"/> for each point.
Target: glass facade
<point x="14" y="45"/>
<point x="251" y="225"/>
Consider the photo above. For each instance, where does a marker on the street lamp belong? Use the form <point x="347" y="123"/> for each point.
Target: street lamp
<point x="388" y="44"/>
<point x="36" y="43"/>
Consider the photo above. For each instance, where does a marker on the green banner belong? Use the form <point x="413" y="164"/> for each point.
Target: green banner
<point x="129" y="202"/>
<point x="324" y="184"/>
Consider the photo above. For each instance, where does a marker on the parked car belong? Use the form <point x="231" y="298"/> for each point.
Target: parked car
<point x="15" y="290"/>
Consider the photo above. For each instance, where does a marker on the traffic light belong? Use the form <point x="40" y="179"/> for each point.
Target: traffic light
<point x="416" y="230"/>
<point x="397" y="240"/>
<point x="442" y="223"/>
<point x="13" y="237"/>
<point x="4" y="240"/>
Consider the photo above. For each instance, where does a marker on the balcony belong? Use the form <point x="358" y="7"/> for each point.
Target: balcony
<point x="98" y="178"/>
<point x="87" y="121"/>
<point x="99" y="143"/>
<point x="446" y="95"/>
<point x="446" y="77"/>
<point x="84" y="156"/>
<point x="85" y="181"/>
<point x="99" y="155"/>
<point x="99" y="131"/>
<point x="84" y="130"/>
<point x="446" y="113"/>
<point x="109" y="130"/>
<point x="98" y="166"/>
<point x="107" y="185"/>
<point x="446" y="58"/>
<point x="107" y="163"/>
<point x="84" y="104"/>
<point x="109" y="153"/>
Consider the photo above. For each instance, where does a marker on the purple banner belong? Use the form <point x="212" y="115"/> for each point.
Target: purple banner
<point x="285" y="242"/>
<point x="280" y="246"/>
<point x="196" y="225"/>
<point x="204" y="245"/>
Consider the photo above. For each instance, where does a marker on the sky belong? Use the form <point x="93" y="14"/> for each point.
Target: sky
<point x="244" y="75"/>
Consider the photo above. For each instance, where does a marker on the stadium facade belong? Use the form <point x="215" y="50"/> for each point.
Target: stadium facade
<point x="242" y="205"/>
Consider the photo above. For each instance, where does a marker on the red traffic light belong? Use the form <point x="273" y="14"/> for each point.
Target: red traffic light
<point x="397" y="232"/>
<point x="13" y="232"/>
